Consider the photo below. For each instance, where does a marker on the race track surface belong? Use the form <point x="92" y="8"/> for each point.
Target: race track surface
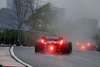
<point x="78" y="58"/>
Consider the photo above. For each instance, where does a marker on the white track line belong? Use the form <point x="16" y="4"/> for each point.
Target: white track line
<point x="13" y="54"/>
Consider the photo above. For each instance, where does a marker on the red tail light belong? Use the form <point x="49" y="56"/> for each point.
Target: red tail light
<point x="42" y="41"/>
<point x="77" y="43"/>
<point x="61" y="42"/>
<point x="83" y="47"/>
<point x="88" y="44"/>
<point x="51" y="47"/>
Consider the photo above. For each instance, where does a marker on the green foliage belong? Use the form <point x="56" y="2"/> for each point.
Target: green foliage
<point x="41" y="17"/>
<point x="1" y="37"/>
<point x="9" y="36"/>
<point x="1" y="66"/>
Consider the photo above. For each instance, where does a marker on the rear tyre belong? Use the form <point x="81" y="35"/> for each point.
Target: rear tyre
<point x="90" y="48"/>
<point x="37" y="48"/>
<point x="65" y="49"/>
<point x="70" y="47"/>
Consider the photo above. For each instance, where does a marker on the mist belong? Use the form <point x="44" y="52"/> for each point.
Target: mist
<point x="76" y="9"/>
<point x="81" y="19"/>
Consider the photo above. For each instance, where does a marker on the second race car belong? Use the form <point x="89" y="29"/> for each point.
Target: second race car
<point x="85" y="46"/>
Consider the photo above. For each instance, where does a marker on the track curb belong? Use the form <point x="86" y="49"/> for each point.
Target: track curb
<point x="16" y="58"/>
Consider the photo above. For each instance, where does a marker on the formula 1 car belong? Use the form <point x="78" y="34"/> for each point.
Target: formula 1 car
<point x="53" y="45"/>
<point x="85" y="46"/>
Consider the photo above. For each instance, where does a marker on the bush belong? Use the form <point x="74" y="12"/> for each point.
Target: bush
<point x="1" y="66"/>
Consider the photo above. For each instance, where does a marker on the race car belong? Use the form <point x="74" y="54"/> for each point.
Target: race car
<point x="97" y="45"/>
<point x="53" y="45"/>
<point x="85" y="46"/>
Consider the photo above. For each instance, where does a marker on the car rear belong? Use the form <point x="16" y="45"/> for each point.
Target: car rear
<point x="85" y="46"/>
<point x="54" y="45"/>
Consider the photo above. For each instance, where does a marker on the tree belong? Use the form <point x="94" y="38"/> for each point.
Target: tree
<point x="10" y="36"/>
<point x="41" y="17"/>
<point x="18" y="15"/>
<point x="33" y="4"/>
<point x="1" y="37"/>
